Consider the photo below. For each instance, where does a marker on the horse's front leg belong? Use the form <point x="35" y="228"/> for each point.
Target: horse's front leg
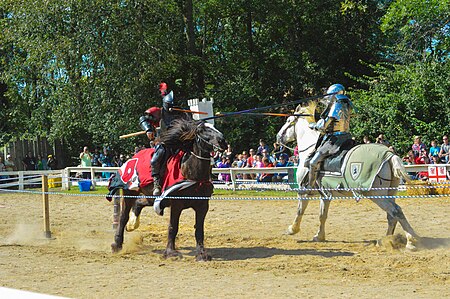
<point x="323" y="215"/>
<point x="175" y="213"/>
<point x="200" y="214"/>
<point x="124" y="216"/>
<point x="295" y="226"/>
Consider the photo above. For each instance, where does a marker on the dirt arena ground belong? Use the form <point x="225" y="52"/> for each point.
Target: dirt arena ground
<point x="252" y="257"/>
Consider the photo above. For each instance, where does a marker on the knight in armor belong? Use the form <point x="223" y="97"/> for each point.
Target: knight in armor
<point x="161" y="118"/>
<point x="334" y="125"/>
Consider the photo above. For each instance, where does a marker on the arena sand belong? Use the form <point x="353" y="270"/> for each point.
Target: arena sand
<point x="252" y="257"/>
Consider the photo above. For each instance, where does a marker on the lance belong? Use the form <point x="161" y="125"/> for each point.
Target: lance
<point x="263" y="114"/>
<point x="271" y="106"/>
<point x="188" y="111"/>
<point x="131" y="134"/>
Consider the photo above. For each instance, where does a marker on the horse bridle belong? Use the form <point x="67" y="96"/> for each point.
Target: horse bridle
<point x="215" y="147"/>
<point x="293" y="149"/>
<point x="200" y="138"/>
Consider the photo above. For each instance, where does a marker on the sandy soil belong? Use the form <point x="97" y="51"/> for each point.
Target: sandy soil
<point x="251" y="254"/>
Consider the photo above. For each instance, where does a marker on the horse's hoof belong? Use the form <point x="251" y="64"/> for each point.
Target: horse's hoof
<point x="133" y="222"/>
<point x="203" y="257"/>
<point x="172" y="254"/>
<point x="318" y="238"/>
<point x="115" y="248"/>
<point x="411" y="247"/>
<point x="291" y="230"/>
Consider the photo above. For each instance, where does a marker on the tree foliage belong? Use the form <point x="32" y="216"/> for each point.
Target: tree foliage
<point x="84" y="70"/>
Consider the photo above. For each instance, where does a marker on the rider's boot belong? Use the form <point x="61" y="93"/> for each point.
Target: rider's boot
<point x="156" y="186"/>
<point x="159" y="203"/>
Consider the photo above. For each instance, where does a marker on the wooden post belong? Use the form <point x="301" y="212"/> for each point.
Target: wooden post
<point x="116" y="214"/>
<point x="93" y="178"/>
<point x="47" y="232"/>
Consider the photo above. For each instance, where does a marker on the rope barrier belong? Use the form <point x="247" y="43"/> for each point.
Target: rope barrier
<point x="236" y="198"/>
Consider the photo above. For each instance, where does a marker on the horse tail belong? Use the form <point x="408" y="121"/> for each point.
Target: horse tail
<point x="399" y="169"/>
<point x="114" y="185"/>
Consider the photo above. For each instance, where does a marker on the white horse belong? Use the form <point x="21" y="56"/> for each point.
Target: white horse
<point x="388" y="176"/>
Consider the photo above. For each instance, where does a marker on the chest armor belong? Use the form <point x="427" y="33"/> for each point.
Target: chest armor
<point x="340" y="112"/>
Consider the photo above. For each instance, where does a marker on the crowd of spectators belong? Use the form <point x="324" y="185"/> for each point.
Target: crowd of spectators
<point x="103" y="158"/>
<point x="262" y="157"/>
<point x="280" y="156"/>
<point x="419" y="154"/>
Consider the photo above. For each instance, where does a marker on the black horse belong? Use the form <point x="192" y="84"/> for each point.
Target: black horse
<point x="198" y="140"/>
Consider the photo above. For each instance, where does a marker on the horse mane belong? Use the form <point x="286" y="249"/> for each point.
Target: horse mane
<point x="308" y="108"/>
<point x="180" y="133"/>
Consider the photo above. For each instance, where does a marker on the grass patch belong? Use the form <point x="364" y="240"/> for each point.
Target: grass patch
<point x="255" y="193"/>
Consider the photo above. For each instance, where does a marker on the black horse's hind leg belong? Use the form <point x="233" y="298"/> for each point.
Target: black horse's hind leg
<point x="392" y="223"/>
<point x="201" y="209"/>
<point x="128" y="203"/>
<point x="175" y="213"/>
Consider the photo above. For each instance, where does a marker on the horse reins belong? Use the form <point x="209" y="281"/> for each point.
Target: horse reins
<point x="200" y="157"/>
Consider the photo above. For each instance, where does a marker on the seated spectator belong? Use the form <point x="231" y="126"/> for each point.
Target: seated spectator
<point x="293" y="160"/>
<point x="409" y="160"/>
<point x="422" y="159"/>
<point x="239" y="162"/>
<point x="282" y="162"/>
<point x="258" y="161"/>
<point x="29" y="162"/>
<point x="40" y="163"/>
<point x="52" y="163"/>
<point x="229" y="152"/>
<point x="225" y="163"/>
<point x="250" y="164"/>
<point x="244" y="157"/>
<point x="266" y="154"/>
<point x="366" y="139"/>
<point x="434" y="149"/>
<point x="435" y="160"/>
<point x="445" y="150"/>
<point x="2" y="168"/>
<point x="95" y="160"/>
<point x="296" y="151"/>
<point x="9" y="163"/>
<point x="418" y="146"/>
<point x="279" y="149"/>
<point x="122" y="160"/>
<point x="380" y="139"/>
<point x="265" y="177"/>
<point x="217" y="157"/>
<point x="262" y="146"/>
<point x="106" y="161"/>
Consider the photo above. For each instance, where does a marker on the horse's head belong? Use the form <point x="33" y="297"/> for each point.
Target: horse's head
<point x="209" y="138"/>
<point x="288" y="133"/>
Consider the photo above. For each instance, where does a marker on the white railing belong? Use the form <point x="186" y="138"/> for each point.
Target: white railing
<point x="21" y="179"/>
<point x="67" y="176"/>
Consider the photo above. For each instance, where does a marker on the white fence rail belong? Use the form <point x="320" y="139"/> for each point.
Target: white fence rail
<point x="24" y="179"/>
